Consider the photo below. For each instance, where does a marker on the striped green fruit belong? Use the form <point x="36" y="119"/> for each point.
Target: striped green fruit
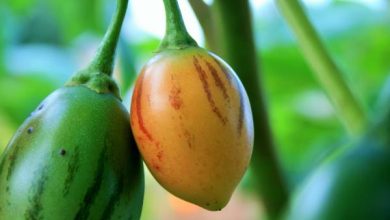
<point x="73" y="158"/>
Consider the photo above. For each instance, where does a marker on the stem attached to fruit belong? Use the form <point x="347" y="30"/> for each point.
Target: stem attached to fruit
<point x="176" y="35"/>
<point x="104" y="58"/>
<point x="348" y="108"/>
<point x="97" y="76"/>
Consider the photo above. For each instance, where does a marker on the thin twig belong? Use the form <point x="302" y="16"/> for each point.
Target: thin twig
<point x="328" y="74"/>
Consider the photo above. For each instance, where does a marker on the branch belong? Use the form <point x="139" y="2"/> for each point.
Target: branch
<point x="207" y="22"/>
<point x="239" y="50"/>
<point x="327" y="72"/>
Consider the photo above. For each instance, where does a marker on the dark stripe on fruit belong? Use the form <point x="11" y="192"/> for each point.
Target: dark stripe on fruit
<point x="3" y="159"/>
<point x="34" y="211"/>
<point x="241" y="113"/>
<point x="226" y="72"/>
<point x="108" y="211"/>
<point x="139" y="108"/>
<point x="73" y="167"/>
<point x="206" y="89"/>
<point x="174" y="98"/>
<point x="160" y="155"/>
<point x="189" y="137"/>
<point x="224" y="69"/>
<point x="2" y="162"/>
<point x="217" y="80"/>
<point x="12" y="159"/>
<point x="93" y="190"/>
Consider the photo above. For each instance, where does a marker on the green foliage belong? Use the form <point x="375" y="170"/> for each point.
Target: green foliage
<point x="306" y="130"/>
<point x="21" y="103"/>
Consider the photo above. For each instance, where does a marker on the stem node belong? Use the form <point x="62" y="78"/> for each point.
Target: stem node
<point x="176" y="35"/>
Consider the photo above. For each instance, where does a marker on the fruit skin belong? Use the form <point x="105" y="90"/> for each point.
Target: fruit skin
<point x="356" y="185"/>
<point x="73" y="158"/>
<point x="193" y="125"/>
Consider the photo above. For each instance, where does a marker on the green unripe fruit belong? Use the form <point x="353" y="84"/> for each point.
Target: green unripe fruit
<point x="356" y="185"/>
<point x="356" y="188"/>
<point x="73" y="158"/>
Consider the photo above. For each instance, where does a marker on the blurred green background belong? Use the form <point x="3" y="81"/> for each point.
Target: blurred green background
<point x="42" y="42"/>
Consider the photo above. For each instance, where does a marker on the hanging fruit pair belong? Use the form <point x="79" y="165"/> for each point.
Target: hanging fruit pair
<point x="192" y="119"/>
<point x="75" y="157"/>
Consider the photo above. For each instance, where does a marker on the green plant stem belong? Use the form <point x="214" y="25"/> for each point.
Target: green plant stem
<point x="97" y="76"/>
<point x="176" y="35"/>
<point x="104" y="59"/>
<point x="206" y="20"/>
<point x="346" y="105"/>
<point x="238" y="49"/>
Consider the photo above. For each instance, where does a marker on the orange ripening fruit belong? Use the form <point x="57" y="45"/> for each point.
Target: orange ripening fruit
<point x="193" y="125"/>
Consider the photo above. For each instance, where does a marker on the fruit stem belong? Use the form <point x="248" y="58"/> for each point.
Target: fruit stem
<point x="176" y="35"/>
<point x="104" y="58"/>
<point x="97" y="76"/>
<point x="328" y="74"/>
